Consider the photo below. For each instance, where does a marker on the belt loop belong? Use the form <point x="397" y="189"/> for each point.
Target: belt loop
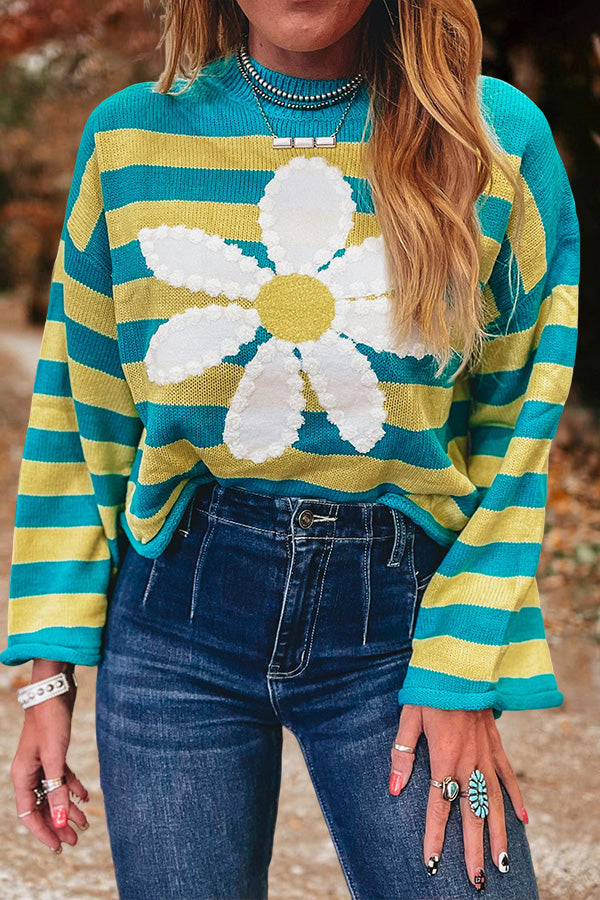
<point x="399" y="537"/>
<point x="186" y="524"/>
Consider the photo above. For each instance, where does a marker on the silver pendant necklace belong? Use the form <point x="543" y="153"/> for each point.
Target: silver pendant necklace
<point x="261" y="87"/>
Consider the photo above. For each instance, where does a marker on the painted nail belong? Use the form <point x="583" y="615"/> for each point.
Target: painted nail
<point x="433" y="865"/>
<point x="86" y="798"/>
<point x="524" y="816"/>
<point x="395" y="783"/>
<point x="479" y="880"/>
<point x="59" y="817"/>
<point x="503" y="863"/>
<point x="84" y="826"/>
<point x="56" y="851"/>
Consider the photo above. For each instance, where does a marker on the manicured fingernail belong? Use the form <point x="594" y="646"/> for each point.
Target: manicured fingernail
<point x="84" y="826"/>
<point x="503" y="863"/>
<point x="395" y="783"/>
<point x="479" y="880"/>
<point x="86" y="798"/>
<point x="56" y="851"/>
<point x="59" y="817"/>
<point x="433" y="865"/>
<point x="524" y="816"/>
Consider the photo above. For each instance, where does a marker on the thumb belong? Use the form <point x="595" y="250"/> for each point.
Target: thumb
<point x="409" y="729"/>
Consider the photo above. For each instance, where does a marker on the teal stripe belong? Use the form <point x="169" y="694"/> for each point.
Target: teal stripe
<point x="423" y="687"/>
<point x="97" y="424"/>
<point x="62" y="511"/>
<point x="56" y="303"/>
<point x="78" y="644"/>
<point x="110" y="490"/>
<point x="499" y="559"/>
<point x="480" y="624"/>
<point x="86" y="267"/>
<point x="490" y="440"/>
<point x="52" y="378"/>
<point x="92" y="349"/>
<point x="52" y="446"/>
<point x="528" y="490"/>
<point x="33" y="579"/>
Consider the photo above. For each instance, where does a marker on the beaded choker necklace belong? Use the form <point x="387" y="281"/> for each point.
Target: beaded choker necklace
<point x="263" y="88"/>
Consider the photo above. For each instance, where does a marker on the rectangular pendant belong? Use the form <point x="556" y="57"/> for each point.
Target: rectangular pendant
<point x="282" y="143"/>
<point x="325" y="141"/>
<point x="302" y="142"/>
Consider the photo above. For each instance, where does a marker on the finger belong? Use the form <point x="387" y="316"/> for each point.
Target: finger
<point x="509" y="780"/>
<point x="438" y="811"/>
<point x="35" y="821"/>
<point x="497" y="825"/>
<point x="54" y="763"/>
<point x="472" y="826"/>
<point x="409" y="729"/>
<point x="75" y="786"/>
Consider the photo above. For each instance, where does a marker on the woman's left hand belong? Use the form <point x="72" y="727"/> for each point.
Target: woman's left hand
<point x="460" y="741"/>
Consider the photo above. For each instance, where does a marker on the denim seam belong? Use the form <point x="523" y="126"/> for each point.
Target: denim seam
<point x="150" y="581"/>
<point x="288" y="577"/>
<point x="368" y="523"/>
<point x="198" y="566"/>
<point x="306" y="653"/>
<point x="411" y="561"/>
<point x="397" y="552"/>
<point x="328" y="817"/>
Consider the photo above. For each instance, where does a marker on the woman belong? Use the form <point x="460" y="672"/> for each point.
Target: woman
<point x="310" y="333"/>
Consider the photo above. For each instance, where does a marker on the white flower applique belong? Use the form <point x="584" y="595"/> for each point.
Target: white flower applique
<point x="306" y="213"/>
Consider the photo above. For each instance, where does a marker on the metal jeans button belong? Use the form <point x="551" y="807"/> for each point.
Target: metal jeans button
<point x="305" y="519"/>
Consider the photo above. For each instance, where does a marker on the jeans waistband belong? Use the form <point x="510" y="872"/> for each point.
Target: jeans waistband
<point x="300" y="517"/>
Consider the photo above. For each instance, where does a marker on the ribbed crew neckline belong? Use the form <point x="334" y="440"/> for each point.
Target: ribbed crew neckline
<point x="226" y="73"/>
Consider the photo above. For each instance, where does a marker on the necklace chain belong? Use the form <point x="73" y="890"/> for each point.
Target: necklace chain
<point x="262" y="88"/>
<point x="291" y="100"/>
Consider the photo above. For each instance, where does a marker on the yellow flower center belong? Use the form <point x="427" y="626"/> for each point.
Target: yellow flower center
<point x="295" y="307"/>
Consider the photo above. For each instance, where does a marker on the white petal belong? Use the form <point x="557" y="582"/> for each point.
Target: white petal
<point x="368" y="322"/>
<point x="305" y="215"/>
<point x="361" y="271"/>
<point x="347" y="387"/>
<point x="192" y="341"/>
<point x="189" y="257"/>
<point x="266" y="410"/>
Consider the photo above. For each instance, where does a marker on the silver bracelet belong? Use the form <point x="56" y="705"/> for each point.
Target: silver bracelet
<point x="38" y="691"/>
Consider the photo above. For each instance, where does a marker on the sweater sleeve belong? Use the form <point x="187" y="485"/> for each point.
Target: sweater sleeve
<point x="479" y="639"/>
<point x="79" y="446"/>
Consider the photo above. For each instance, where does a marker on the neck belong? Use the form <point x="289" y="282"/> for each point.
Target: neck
<point x="339" y="60"/>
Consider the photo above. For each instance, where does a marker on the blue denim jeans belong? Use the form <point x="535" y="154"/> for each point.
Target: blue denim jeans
<point x="266" y="612"/>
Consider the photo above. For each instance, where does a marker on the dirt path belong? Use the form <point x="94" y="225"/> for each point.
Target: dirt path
<point x="554" y="752"/>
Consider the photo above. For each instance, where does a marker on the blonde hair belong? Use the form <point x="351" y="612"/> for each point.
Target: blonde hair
<point x="429" y="157"/>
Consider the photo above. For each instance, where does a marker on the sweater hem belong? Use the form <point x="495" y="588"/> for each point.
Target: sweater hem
<point x="19" y="654"/>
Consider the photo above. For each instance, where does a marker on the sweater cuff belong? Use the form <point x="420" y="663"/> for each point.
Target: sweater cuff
<point x="49" y="643"/>
<point x="423" y="687"/>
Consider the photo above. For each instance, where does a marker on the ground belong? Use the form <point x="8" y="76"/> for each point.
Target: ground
<point x="554" y="752"/>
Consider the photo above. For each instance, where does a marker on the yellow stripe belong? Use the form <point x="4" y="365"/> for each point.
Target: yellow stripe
<point x="515" y="524"/>
<point x="54" y="479"/>
<point x="498" y="185"/>
<point x="53" y="345"/>
<point x="93" y="387"/>
<point x="88" y="206"/>
<point x="90" y="308"/>
<point x="549" y="383"/>
<point x="474" y="589"/>
<point x="109" y="516"/>
<point x="531" y="254"/>
<point x="564" y="307"/>
<point x="146" y="529"/>
<point x="480" y="662"/>
<point x="146" y="298"/>
<point x="488" y="253"/>
<point x="523" y="455"/>
<point x="138" y="146"/>
<point x="232" y="221"/>
<point x="56" y="611"/>
<point x="108" y="457"/>
<point x="53" y="413"/>
<point x="33" y="545"/>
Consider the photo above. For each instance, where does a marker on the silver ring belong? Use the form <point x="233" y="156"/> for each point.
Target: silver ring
<point x="403" y="748"/>
<point x="51" y="784"/>
<point x="450" y="787"/>
<point x="28" y="813"/>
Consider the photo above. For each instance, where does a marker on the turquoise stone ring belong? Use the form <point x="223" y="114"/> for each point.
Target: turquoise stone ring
<point x="450" y="787"/>
<point x="477" y="794"/>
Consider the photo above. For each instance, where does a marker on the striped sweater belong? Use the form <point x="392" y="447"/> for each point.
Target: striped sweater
<point x="219" y="309"/>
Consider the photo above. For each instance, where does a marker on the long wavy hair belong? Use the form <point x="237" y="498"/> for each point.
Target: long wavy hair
<point x="429" y="157"/>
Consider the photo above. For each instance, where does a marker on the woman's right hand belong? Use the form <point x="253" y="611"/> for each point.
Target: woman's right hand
<point x="41" y="753"/>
